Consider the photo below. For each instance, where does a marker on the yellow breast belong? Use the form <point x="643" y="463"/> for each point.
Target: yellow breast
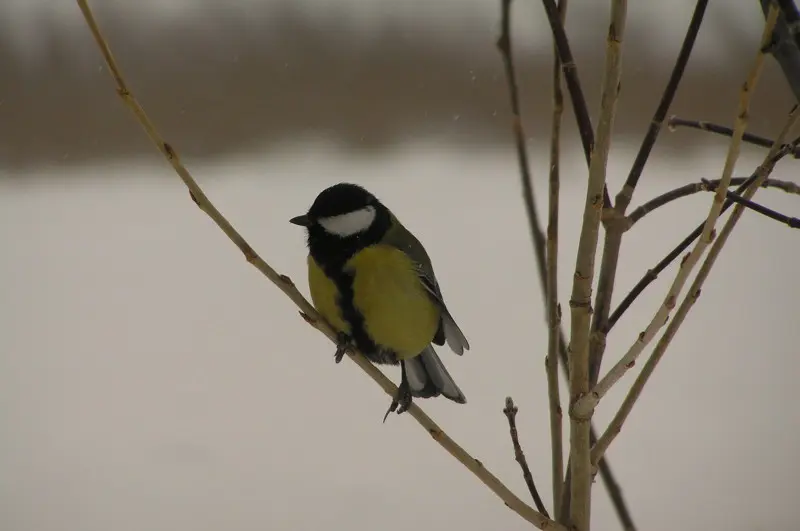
<point x="398" y="312"/>
<point x="325" y="297"/>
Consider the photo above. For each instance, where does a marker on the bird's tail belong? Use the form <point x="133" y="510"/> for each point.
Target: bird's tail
<point x="427" y="377"/>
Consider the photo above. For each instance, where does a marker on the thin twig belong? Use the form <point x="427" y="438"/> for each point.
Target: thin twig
<point x="539" y="246"/>
<point x="791" y="222"/>
<point x="615" y="222"/>
<point x="570" y="69"/>
<point x="703" y="186"/>
<point x="589" y="401"/>
<point x="652" y="274"/>
<point x="709" y="127"/>
<point x="529" y="199"/>
<point x="534" y="226"/>
<point x="511" y="414"/>
<point x="581" y="297"/>
<point x="553" y="307"/>
<point x="288" y="288"/>
<point x="691" y="296"/>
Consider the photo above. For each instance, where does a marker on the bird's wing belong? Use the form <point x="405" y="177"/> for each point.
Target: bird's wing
<point x="402" y="239"/>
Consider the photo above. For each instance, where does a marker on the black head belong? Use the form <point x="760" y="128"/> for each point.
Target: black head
<point x="343" y="219"/>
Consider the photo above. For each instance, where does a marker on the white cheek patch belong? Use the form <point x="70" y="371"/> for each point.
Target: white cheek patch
<point x="349" y="224"/>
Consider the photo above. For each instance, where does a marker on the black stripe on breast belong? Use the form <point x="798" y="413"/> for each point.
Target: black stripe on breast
<point x="344" y="281"/>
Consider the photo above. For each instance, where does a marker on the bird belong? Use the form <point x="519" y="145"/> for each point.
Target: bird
<point x="373" y="282"/>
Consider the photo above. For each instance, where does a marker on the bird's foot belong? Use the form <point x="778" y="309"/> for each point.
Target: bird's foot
<point x="343" y="345"/>
<point x="772" y="45"/>
<point x="401" y="401"/>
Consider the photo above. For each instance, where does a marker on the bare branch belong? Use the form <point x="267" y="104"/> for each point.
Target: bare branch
<point x="691" y="296"/>
<point x="570" y="69"/>
<point x="287" y="287"/>
<point x="616" y="224"/>
<point x="511" y="414"/>
<point x="504" y="45"/>
<point x="709" y="127"/>
<point x="553" y="307"/>
<point x="534" y="226"/>
<point x="615" y="221"/>
<point x="792" y="222"/>
<point x="703" y="186"/>
<point x="652" y="274"/>
<point x="581" y="297"/>
<point x="589" y="401"/>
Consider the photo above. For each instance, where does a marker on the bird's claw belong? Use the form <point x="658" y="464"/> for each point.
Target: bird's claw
<point x="772" y="45"/>
<point x="401" y="401"/>
<point x="343" y="345"/>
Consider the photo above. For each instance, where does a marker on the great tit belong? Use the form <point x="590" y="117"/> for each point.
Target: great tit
<point x="373" y="281"/>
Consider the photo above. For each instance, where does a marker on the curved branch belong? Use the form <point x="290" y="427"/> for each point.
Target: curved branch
<point x="652" y="274"/>
<point x="692" y="188"/>
<point x="288" y="288"/>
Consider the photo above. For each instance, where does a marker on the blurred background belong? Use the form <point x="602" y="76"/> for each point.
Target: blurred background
<point x="151" y="379"/>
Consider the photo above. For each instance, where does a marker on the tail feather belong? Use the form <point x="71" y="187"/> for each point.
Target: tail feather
<point x="427" y="377"/>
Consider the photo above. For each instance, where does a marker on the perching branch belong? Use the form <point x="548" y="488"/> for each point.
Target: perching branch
<point x="589" y="401"/>
<point x="511" y="414"/>
<point x="581" y="297"/>
<point x="288" y="288"/>
<point x="694" y="292"/>
<point x="709" y="127"/>
<point x="551" y="289"/>
<point x="703" y="186"/>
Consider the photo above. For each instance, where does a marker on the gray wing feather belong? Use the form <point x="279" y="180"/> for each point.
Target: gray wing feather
<point x="402" y="239"/>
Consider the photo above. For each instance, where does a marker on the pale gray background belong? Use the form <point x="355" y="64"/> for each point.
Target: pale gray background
<point x="151" y="379"/>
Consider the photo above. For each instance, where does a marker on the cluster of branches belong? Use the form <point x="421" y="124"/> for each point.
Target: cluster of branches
<point x="591" y="318"/>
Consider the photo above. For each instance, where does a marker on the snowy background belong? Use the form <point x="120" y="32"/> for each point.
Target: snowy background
<point x="151" y="379"/>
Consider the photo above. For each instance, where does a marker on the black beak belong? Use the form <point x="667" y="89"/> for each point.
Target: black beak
<point x="303" y="220"/>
